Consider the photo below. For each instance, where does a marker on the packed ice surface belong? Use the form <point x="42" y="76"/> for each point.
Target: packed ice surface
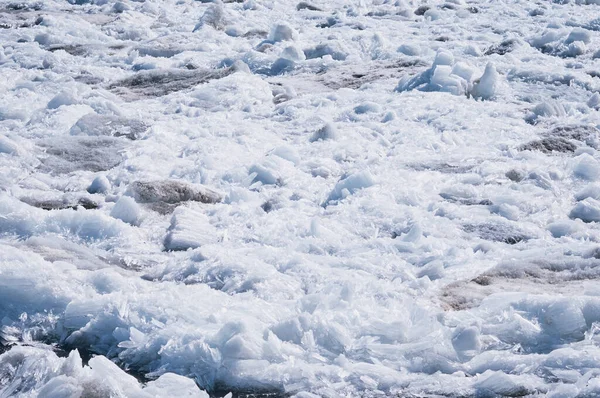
<point x="299" y="198"/>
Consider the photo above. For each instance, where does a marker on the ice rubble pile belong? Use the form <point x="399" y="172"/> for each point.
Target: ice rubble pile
<point x="328" y="198"/>
<point x="456" y="78"/>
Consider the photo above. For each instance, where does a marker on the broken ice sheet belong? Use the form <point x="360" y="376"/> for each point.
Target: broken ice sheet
<point x="299" y="198"/>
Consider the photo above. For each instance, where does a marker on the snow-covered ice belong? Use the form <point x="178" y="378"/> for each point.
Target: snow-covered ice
<point x="299" y="198"/>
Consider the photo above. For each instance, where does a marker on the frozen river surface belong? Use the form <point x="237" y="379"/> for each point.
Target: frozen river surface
<point x="285" y="198"/>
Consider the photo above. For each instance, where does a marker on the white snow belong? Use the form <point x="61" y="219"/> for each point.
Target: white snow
<point x="62" y="99"/>
<point x="68" y="377"/>
<point x="587" y="167"/>
<point x="282" y="32"/>
<point x="327" y="132"/>
<point x="100" y="184"/>
<point x="127" y="211"/>
<point x="350" y="185"/>
<point x="358" y="198"/>
<point x="8" y="146"/>
<point x="486" y="86"/>
<point x="190" y="229"/>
